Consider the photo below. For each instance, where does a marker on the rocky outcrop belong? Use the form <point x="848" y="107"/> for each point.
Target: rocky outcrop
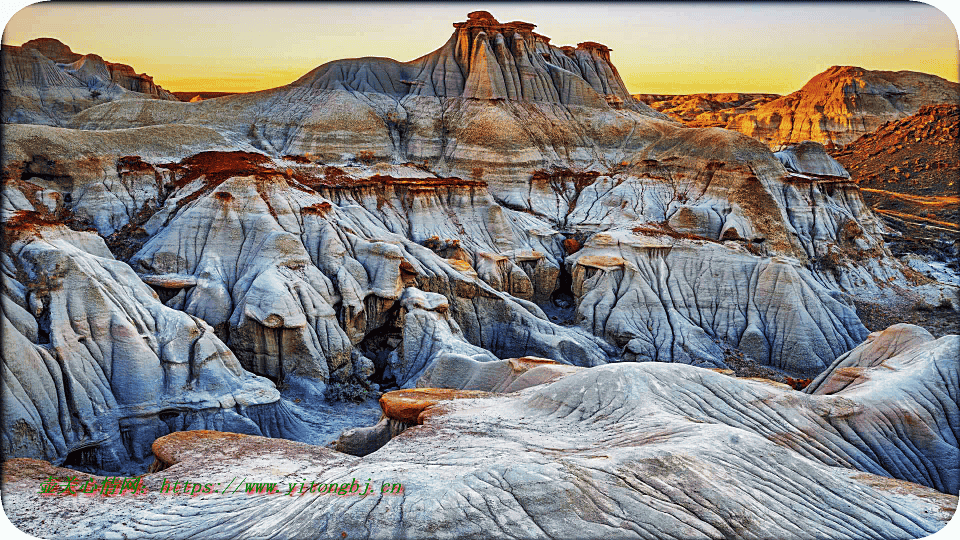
<point x="103" y="367"/>
<point x="909" y="171"/>
<point x="429" y="334"/>
<point x="810" y="158"/>
<point x="658" y="450"/>
<point x="705" y="110"/>
<point x="448" y="377"/>
<point x="841" y="104"/>
<point x="298" y="286"/>
<point x="501" y="376"/>
<point x="102" y="178"/>
<point x="44" y="82"/>
<point x="690" y="301"/>
<point x="486" y="59"/>
<point x="905" y="382"/>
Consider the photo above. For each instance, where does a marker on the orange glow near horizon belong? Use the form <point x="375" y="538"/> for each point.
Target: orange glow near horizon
<point x="657" y="48"/>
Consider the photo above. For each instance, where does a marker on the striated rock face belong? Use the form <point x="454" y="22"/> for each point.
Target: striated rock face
<point x="907" y="383"/>
<point x="299" y="286"/>
<point x="705" y="110"/>
<point x="102" y="366"/>
<point x="499" y="222"/>
<point x="101" y="176"/>
<point x="44" y="82"/>
<point x="841" y="104"/>
<point x="671" y="451"/>
<point x="909" y="173"/>
<point x="689" y="301"/>
<point x="486" y="59"/>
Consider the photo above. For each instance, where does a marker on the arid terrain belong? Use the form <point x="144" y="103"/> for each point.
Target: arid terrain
<point x="544" y="306"/>
<point x="906" y="165"/>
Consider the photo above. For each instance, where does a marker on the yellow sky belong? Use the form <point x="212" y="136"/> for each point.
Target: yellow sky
<point x="657" y="47"/>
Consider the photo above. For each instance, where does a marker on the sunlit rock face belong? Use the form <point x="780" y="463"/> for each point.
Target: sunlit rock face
<point x="705" y="110"/>
<point x="486" y="59"/>
<point x="44" y="82"/>
<point x="841" y="104"/>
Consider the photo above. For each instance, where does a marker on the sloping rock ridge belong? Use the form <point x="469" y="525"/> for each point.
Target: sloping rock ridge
<point x="841" y="104"/>
<point x="834" y="108"/>
<point x="631" y="450"/>
<point x="909" y="172"/>
<point x="705" y="110"/>
<point x="44" y="82"/>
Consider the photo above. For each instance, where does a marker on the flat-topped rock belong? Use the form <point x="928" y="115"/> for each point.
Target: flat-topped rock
<point x="602" y="262"/>
<point x="407" y="405"/>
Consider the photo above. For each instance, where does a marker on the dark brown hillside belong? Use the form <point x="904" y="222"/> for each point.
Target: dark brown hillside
<point x="909" y="171"/>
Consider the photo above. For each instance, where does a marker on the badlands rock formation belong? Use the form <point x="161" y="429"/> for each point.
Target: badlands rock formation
<point x="705" y="110"/>
<point x="843" y="103"/>
<point x="97" y="368"/>
<point x="385" y="225"/>
<point x="811" y="158"/>
<point x="909" y="172"/>
<point x="630" y="450"/>
<point x="834" y="108"/>
<point x="44" y="82"/>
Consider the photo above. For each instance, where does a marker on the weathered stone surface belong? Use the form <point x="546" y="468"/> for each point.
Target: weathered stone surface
<point x="502" y="376"/>
<point x="363" y="441"/>
<point x="841" y="104"/>
<point x="45" y="82"/>
<point x="296" y="281"/>
<point x="408" y="405"/>
<point x="809" y="157"/>
<point x="638" y="444"/>
<point x="907" y="382"/>
<point x="659" y="298"/>
<point x="101" y="365"/>
<point x="486" y="59"/>
<point x="102" y="177"/>
<point x="380" y="224"/>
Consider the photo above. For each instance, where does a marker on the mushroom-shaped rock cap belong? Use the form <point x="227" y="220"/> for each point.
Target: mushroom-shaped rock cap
<point x="587" y="45"/>
<point x="525" y="363"/>
<point x="416" y="299"/>
<point x="602" y="262"/>
<point x="480" y="16"/>
<point x="406" y="405"/>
